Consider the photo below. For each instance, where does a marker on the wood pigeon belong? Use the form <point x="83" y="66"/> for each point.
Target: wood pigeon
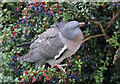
<point x="60" y="41"/>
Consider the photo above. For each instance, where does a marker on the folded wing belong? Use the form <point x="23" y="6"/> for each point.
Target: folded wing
<point x="47" y="46"/>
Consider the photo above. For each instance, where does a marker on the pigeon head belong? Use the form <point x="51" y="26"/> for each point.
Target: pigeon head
<point x="71" y="29"/>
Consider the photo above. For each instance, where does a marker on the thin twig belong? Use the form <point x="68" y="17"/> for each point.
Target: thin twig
<point x="98" y="23"/>
<point x="103" y="31"/>
<point x="90" y="37"/>
<point x="3" y="67"/>
<point x="111" y="21"/>
<point x="98" y="35"/>
<point x="112" y="11"/>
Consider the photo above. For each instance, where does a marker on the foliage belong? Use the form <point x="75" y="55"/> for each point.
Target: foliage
<point x="93" y="63"/>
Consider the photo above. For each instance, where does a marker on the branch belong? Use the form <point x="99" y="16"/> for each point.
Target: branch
<point x="98" y="23"/>
<point x="103" y="31"/>
<point x="90" y="37"/>
<point x="3" y="67"/>
<point x="112" y="11"/>
<point x="111" y="21"/>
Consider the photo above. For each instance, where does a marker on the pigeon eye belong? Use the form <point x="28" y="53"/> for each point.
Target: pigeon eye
<point x="76" y="26"/>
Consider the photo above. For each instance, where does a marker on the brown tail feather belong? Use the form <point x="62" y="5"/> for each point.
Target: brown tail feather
<point x="27" y="45"/>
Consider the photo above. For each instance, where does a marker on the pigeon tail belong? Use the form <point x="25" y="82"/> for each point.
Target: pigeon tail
<point x="26" y="45"/>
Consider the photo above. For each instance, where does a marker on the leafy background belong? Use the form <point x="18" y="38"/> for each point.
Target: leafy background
<point x="97" y="60"/>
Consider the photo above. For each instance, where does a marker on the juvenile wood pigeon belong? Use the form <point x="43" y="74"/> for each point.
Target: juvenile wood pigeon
<point x="60" y="41"/>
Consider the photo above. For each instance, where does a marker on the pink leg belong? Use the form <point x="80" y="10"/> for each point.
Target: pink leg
<point x="60" y="67"/>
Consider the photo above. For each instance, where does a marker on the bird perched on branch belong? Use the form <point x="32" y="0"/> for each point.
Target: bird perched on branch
<point x="60" y="41"/>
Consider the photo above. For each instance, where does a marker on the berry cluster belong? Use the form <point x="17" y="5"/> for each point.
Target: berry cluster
<point x="116" y="3"/>
<point x="74" y="73"/>
<point x="28" y="14"/>
<point x="42" y="76"/>
<point x="32" y="10"/>
<point x="4" y="44"/>
<point x="17" y="68"/>
<point x="86" y="58"/>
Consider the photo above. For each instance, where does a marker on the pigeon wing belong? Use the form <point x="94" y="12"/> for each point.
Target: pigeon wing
<point x="53" y="28"/>
<point x="47" y="46"/>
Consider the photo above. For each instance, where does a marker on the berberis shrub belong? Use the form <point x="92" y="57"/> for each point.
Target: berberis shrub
<point x="97" y="60"/>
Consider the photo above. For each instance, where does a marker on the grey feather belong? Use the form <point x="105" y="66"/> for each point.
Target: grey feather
<point x="32" y="56"/>
<point x="45" y="47"/>
<point x="51" y="47"/>
<point x="59" y="25"/>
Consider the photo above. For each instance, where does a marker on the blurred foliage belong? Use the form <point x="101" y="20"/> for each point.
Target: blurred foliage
<point x="95" y="62"/>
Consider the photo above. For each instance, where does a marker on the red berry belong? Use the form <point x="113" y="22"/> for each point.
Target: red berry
<point x="26" y="72"/>
<point x="116" y="2"/>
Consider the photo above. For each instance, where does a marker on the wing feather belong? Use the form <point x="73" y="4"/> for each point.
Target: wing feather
<point x="47" y="45"/>
<point x="52" y="47"/>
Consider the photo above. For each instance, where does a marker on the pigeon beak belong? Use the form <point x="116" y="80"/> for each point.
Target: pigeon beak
<point x="81" y="24"/>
